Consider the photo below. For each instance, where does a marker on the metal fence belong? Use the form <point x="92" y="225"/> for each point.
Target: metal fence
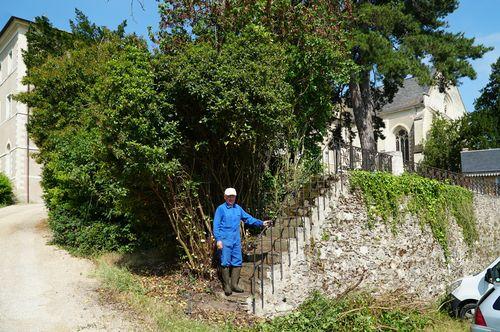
<point x="478" y="185"/>
<point x="349" y="157"/>
<point x="275" y="242"/>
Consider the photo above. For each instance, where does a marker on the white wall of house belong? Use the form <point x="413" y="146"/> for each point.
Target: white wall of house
<point x="15" y="158"/>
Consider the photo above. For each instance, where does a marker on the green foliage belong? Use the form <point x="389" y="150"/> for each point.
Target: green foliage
<point x="391" y="197"/>
<point x="482" y="127"/>
<point x="475" y="131"/>
<point x="6" y="193"/>
<point x="444" y="143"/>
<point x="356" y="312"/>
<point x="234" y="109"/>
<point x="138" y="146"/>
<point x="86" y="201"/>
<point x="393" y="39"/>
<point x="46" y="41"/>
<point x="317" y="64"/>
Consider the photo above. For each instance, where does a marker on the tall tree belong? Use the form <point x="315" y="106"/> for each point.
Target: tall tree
<point x="476" y="130"/>
<point x="482" y="129"/>
<point x="312" y="33"/>
<point x="393" y="39"/>
<point x="444" y="143"/>
<point x="387" y="40"/>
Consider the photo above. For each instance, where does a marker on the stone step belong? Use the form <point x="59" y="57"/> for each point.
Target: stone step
<point x="284" y="232"/>
<point x="267" y="245"/>
<point x="290" y="221"/>
<point x="239" y="298"/>
<point x="247" y="272"/>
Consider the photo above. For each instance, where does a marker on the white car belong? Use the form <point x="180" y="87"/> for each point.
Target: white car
<point x="466" y="292"/>
<point x="487" y="315"/>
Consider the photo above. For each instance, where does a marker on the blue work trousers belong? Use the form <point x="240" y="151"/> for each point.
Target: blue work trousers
<point x="230" y="255"/>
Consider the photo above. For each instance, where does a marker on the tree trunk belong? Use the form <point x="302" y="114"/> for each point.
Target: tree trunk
<point x="362" y="105"/>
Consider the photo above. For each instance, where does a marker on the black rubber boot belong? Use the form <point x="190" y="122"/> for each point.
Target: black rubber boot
<point x="235" y="277"/>
<point x="226" y="280"/>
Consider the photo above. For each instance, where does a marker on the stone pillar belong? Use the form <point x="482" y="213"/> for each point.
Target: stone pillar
<point x="397" y="162"/>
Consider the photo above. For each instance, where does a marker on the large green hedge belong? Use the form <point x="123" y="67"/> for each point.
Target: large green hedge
<point x="138" y="146"/>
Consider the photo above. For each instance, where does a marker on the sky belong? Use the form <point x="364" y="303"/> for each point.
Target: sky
<point x="475" y="18"/>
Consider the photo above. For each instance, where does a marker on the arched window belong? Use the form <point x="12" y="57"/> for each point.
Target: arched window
<point x="9" y="63"/>
<point x="402" y="144"/>
<point x="8" y="162"/>
<point x="8" y="107"/>
<point x="447" y="104"/>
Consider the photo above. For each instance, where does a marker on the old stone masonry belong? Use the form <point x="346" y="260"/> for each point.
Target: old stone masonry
<point x="338" y="249"/>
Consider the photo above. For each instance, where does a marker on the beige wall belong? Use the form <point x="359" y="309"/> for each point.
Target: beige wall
<point x="13" y="119"/>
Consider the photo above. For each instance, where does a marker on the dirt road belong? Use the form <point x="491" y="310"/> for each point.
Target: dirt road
<point x="43" y="288"/>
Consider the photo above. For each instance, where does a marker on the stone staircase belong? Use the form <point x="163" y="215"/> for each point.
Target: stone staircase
<point x="277" y="249"/>
<point x="284" y="251"/>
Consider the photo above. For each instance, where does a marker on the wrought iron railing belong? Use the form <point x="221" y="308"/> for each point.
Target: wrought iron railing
<point x="352" y="157"/>
<point x="475" y="184"/>
<point x="297" y="205"/>
<point x="335" y="158"/>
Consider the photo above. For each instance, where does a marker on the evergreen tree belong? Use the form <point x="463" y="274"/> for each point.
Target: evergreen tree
<point x="393" y="39"/>
<point x="482" y="127"/>
<point x="475" y="131"/>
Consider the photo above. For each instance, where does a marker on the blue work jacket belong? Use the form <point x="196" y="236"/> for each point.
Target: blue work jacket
<point x="227" y="223"/>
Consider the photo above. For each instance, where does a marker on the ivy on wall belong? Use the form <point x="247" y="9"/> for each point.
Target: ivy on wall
<point x="390" y="198"/>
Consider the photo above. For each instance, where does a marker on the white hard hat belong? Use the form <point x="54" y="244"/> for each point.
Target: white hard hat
<point x="230" y="192"/>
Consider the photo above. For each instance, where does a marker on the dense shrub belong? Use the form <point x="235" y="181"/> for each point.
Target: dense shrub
<point x="87" y="211"/>
<point x="137" y="146"/>
<point x="6" y="193"/>
<point x="355" y="312"/>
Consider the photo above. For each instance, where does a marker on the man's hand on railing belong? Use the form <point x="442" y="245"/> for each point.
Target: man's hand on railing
<point x="268" y="223"/>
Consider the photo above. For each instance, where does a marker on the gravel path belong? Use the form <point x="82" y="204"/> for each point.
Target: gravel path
<point x="43" y="288"/>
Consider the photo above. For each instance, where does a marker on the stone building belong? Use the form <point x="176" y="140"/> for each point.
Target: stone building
<point x="408" y="118"/>
<point x="15" y="147"/>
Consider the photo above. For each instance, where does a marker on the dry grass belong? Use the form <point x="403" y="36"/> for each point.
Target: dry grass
<point x="165" y="297"/>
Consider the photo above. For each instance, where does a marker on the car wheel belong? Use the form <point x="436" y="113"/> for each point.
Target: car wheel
<point x="467" y="311"/>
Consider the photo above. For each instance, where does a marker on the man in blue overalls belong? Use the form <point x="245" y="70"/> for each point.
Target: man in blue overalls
<point x="227" y="235"/>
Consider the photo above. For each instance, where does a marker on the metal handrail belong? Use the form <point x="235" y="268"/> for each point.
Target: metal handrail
<point x="298" y="196"/>
<point x="261" y="237"/>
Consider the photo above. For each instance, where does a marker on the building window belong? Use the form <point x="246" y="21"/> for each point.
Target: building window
<point x="402" y="144"/>
<point x="8" y="162"/>
<point x="9" y="63"/>
<point x="8" y="106"/>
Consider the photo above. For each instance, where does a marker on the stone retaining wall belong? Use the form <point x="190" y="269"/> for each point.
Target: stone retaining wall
<point x="344" y="252"/>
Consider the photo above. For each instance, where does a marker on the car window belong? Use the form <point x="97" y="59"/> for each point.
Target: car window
<point x="496" y="305"/>
<point x="496" y="272"/>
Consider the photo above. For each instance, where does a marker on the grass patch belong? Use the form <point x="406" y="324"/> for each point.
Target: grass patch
<point x="361" y="312"/>
<point x="158" y="315"/>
